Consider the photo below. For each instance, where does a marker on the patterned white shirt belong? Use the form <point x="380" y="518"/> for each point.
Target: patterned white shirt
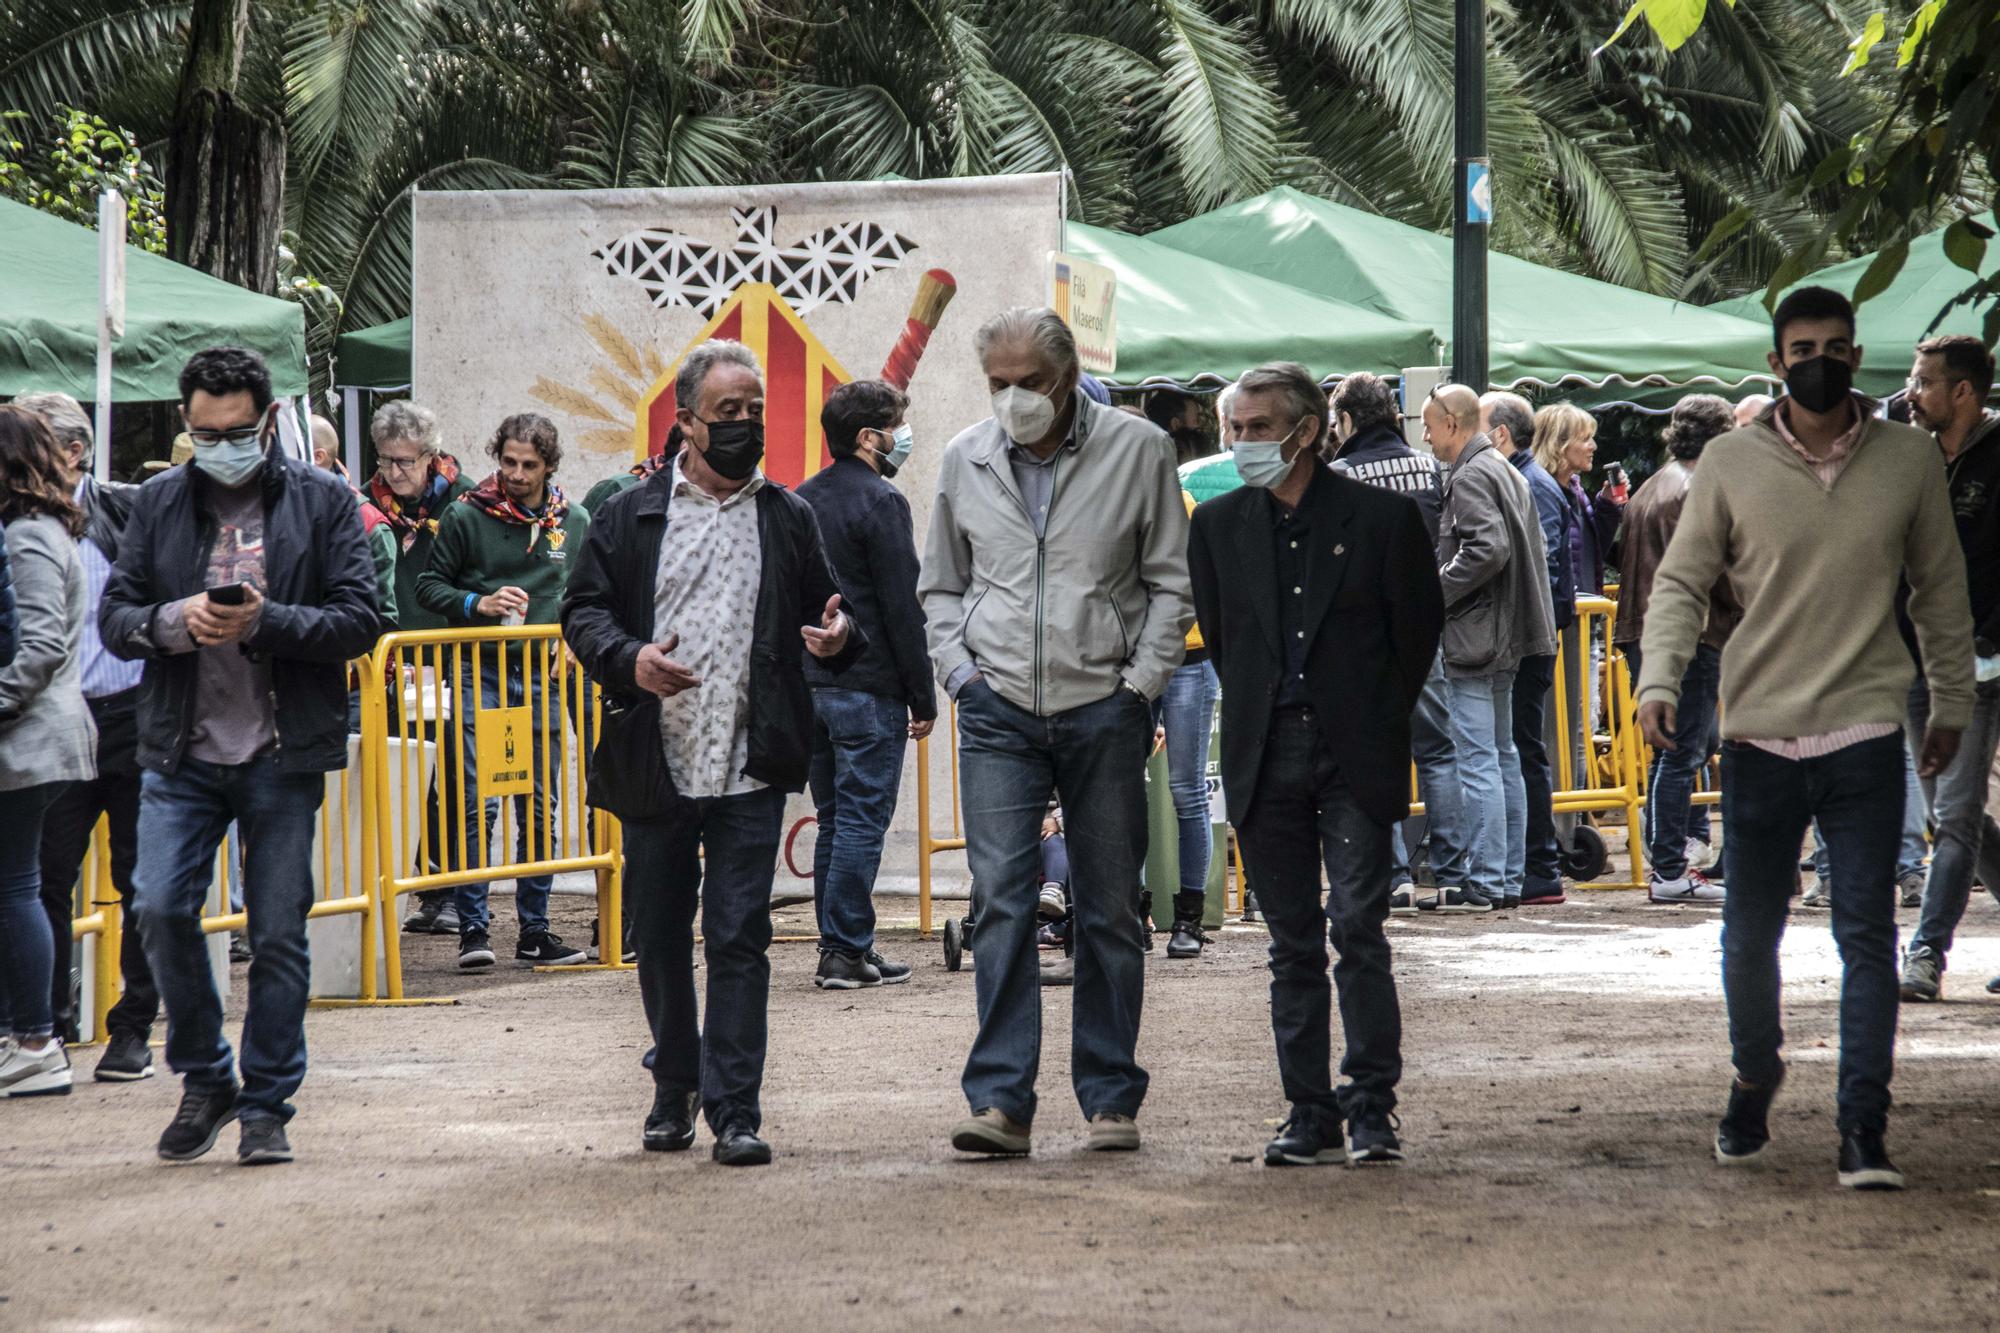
<point x="711" y="562"/>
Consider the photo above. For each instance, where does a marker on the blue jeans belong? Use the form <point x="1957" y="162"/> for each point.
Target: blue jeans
<point x="722" y="852"/>
<point x="1910" y="851"/>
<point x="1010" y="762"/>
<point x="1305" y="816"/>
<point x="1856" y="794"/>
<point x="531" y="892"/>
<point x="1188" y="714"/>
<point x="27" y="949"/>
<point x="1670" y="781"/>
<point x="182" y="816"/>
<point x="1489" y="774"/>
<point x="1968" y="842"/>
<point x="857" y="764"/>
<point x="1437" y="783"/>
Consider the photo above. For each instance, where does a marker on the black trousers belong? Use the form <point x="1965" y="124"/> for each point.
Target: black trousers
<point x="112" y="795"/>
<point x="1303" y="816"/>
<point x="1532" y="684"/>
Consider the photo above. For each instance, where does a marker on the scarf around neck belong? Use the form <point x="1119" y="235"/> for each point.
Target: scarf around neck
<point x="422" y="513"/>
<point x="494" y="502"/>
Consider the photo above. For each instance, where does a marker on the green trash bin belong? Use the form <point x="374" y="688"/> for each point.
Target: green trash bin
<point x="1163" y="837"/>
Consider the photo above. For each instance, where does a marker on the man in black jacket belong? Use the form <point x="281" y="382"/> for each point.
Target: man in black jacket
<point x="687" y="603"/>
<point x="111" y="687"/>
<point x="1320" y="598"/>
<point x="864" y="716"/>
<point x="244" y="584"/>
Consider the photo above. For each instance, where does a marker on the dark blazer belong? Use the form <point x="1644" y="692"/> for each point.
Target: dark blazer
<point x="1374" y="613"/>
<point x="319" y="611"/>
<point x="607" y="617"/>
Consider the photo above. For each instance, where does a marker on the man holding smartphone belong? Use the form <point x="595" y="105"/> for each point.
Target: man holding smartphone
<point x="244" y="584"/>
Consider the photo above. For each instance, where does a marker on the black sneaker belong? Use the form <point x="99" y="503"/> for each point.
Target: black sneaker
<point x="1745" y="1126"/>
<point x="738" y="1145"/>
<point x="670" y="1128"/>
<point x="202" y="1114"/>
<point x="126" y="1059"/>
<point x="1371" y="1138"/>
<point x="1864" y="1162"/>
<point x="263" y="1142"/>
<point x="1187" y="938"/>
<point x="893" y="974"/>
<point x="239" y="949"/>
<point x="1309" y="1138"/>
<point x="423" y="921"/>
<point x="630" y="954"/>
<point x="543" y="948"/>
<point x="474" y="950"/>
<point x="845" y="971"/>
<point x="1457" y="900"/>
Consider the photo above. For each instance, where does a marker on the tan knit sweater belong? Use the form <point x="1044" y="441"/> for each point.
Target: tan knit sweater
<point x="1816" y="568"/>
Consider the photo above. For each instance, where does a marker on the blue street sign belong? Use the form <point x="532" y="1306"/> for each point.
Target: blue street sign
<point x="1478" y="193"/>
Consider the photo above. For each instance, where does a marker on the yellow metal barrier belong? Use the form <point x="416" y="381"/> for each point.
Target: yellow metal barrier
<point x="1612" y="776"/>
<point x="928" y="846"/>
<point x="536" y="700"/>
<point x="101" y="918"/>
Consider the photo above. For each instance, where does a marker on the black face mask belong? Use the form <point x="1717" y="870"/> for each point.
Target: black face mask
<point x="1821" y="384"/>
<point x="734" y="447"/>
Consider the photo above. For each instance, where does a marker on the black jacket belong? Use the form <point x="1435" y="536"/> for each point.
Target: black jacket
<point x="1374" y="612"/>
<point x="1973" y="479"/>
<point x="869" y="535"/>
<point x="607" y="617"/>
<point x="319" y="609"/>
<point x="1381" y="457"/>
<point x="106" y="507"/>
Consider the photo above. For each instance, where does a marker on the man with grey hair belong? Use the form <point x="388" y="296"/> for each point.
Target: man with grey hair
<point x="1751" y="408"/>
<point x="1493" y="565"/>
<point x="688" y="604"/>
<point x="1510" y="423"/>
<point x="1055" y="583"/>
<point x="1321" y="600"/>
<point x="111" y="687"/>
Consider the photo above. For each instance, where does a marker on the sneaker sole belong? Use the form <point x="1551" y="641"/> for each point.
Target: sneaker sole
<point x="471" y="961"/>
<point x="567" y="960"/>
<point x="58" y="1083"/>
<point x="265" y="1157"/>
<point x="103" y="1075"/>
<point x="762" y="1158"/>
<point x="1748" y="1159"/>
<point x="896" y="980"/>
<point x="1325" y="1157"/>
<point x="202" y="1149"/>
<point x="1375" y="1157"/>
<point x="1172" y="952"/>
<point x="678" y="1143"/>
<point x="988" y="1147"/>
<point x="1875" y="1178"/>
<point x="1410" y="910"/>
<point x="1916" y="996"/>
<point x="1113" y="1142"/>
<point x="844" y="983"/>
<point x="1462" y="909"/>
<point x="1545" y="902"/>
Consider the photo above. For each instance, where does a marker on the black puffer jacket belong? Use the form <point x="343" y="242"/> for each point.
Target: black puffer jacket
<point x="319" y="610"/>
<point x="607" y="617"/>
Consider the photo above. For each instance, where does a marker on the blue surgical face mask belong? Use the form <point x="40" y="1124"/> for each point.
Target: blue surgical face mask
<point x="1263" y="462"/>
<point x="902" y="440"/>
<point x="233" y="459"/>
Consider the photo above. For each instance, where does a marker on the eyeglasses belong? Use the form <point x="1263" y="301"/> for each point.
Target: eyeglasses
<point x="389" y="464"/>
<point x="242" y="435"/>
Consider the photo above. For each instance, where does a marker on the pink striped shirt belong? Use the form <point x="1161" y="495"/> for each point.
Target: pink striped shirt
<point x="1827" y="469"/>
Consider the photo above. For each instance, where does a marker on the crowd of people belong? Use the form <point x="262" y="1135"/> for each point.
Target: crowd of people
<point x="174" y="660"/>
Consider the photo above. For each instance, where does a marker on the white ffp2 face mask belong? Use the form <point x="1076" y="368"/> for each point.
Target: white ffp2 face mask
<point x="1024" y="414"/>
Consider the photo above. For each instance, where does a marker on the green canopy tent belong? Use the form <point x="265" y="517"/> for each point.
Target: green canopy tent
<point x="375" y="359"/>
<point x="48" y="317"/>
<point x="1186" y="320"/>
<point x="1894" y="322"/>
<point x="1548" y="328"/>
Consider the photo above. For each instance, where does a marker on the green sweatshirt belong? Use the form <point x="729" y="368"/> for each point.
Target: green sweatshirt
<point x="1816" y="568"/>
<point x="476" y="553"/>
<point x="607" y="488"/>
<point x="411" y="613"/>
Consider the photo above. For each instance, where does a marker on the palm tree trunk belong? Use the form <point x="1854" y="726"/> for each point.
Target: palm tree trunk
<point x="225" y="160"/>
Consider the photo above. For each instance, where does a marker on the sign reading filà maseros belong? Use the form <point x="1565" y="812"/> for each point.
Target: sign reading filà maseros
<point x="1086" y="296"/>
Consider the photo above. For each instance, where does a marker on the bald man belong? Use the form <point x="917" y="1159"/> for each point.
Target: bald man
<point x="381" y="538"/>
<point x="1751" y="408"/>
<point x="1493" y="564"/>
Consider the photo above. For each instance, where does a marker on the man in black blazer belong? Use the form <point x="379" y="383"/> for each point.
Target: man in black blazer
<point x="1318" y="596"/>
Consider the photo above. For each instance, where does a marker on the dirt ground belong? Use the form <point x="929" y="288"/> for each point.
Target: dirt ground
<point x="478" y="1165"/>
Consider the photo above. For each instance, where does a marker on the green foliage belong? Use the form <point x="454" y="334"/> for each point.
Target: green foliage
<point x="80" y="157"/>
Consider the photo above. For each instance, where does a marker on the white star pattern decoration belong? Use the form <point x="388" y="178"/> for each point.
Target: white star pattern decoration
<point x="831" y="265"/>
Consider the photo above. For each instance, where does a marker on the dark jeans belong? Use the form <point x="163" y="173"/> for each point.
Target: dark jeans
<point x="1670" y="782"/>
<point x="1967" y="841"/>
<point x="531" y="892"/>
<point x="857" y="764"/>
<point x="1304" y="815"/>
<point x="1010" y="761"/>
<point x="1532" y="683"/>
<point x="66" y="834"/>
<point x="182" y="816"/>
<point x="26" y="954"/>
<point x="1856" y="793"/>
<point x="721" y="851"/>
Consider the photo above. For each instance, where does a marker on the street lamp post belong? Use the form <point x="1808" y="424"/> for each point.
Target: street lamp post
<point x="1472" y="198"/>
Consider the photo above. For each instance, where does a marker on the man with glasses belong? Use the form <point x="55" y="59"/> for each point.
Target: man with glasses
<point x="244" y="585"/>
<point x="413" y="483"/>
<point x="1947" y="396"/>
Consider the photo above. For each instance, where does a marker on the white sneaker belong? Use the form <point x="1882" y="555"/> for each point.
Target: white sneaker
<point x="1700" y="856"/>
<point x="1050" y="906"/>
<point x="43" y="1073"/>
<point x="1692" y="887"/>
<point x="1403" y="900"/>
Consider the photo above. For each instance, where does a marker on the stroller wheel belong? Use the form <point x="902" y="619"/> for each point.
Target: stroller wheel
<point x="954" y="945"/>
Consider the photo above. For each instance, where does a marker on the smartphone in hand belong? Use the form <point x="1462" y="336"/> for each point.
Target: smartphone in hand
<point x="227" y="594"/>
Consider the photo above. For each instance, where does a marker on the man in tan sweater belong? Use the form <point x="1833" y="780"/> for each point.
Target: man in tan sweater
<point x="1813" y="511"/>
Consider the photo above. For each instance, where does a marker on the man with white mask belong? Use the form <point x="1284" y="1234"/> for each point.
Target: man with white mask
<point x="1055" y="584"/>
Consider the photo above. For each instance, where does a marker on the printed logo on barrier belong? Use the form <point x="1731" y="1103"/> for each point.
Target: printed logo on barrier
<point x="755" y="291"/>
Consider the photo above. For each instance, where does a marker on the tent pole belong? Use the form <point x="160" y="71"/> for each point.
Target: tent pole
<point x="1472" y="211"/>
<point x="350" y="426"/>
<point x="110" y="313"/>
